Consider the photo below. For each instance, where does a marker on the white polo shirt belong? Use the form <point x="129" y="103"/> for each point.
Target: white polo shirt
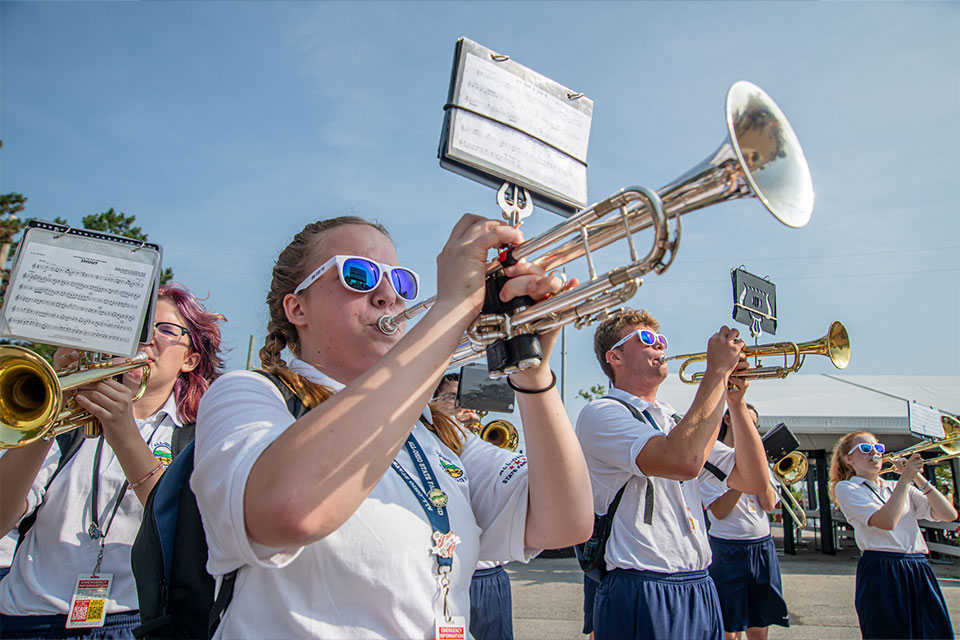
<point x="7" y="544"/>
<point x="57" y="549"/>
<point x="611" y="439"/>
<point x="374" y="577"/>
<point x="746" y="521"/>
<point x="859" y="499"/>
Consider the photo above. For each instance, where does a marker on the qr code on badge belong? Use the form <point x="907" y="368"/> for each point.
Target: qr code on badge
<point x="79" y="613"/>
<point x="95" y="612"/>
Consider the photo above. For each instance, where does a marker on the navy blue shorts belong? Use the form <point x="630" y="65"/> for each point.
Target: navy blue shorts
<point x="747" y="575"/>
<point x="117" y="625"/>
<point x="491" y="606"/>
<point x="898" y="597"/>
<point x="647" y="605"/>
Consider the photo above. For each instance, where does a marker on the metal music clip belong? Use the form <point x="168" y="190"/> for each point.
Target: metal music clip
<point x="517" y="205"/>
<point x="66" y="230"/>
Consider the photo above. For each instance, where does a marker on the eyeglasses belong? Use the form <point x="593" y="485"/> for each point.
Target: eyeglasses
<point x="646" y="336"/>
<point x="866" y="447"/>
<point x="168" y="333"/>
<point x="363" y="275"/>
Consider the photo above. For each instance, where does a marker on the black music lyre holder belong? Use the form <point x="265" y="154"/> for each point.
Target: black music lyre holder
<point x="754" y="302"/>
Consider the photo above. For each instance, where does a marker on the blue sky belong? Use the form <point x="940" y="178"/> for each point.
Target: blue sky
<point x="226" y="126"/>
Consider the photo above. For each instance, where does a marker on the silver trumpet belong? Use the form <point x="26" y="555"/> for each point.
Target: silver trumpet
<point x="761" y="157"/>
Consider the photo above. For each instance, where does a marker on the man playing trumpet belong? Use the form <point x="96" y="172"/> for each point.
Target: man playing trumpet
<point x="657" y="554"/>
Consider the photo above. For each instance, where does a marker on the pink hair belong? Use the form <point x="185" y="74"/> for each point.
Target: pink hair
<point x="204" y="340"/>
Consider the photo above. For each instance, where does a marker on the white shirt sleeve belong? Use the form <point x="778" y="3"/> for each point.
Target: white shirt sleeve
<point x="712" y="487"/>
<point x="609" y="433"/>
<point x="37" y="489"/>
<point x="857" y="503"/>
<point x="921" y="506"/>
<point x="498" y="495"/>
<point x="240" y="415"/>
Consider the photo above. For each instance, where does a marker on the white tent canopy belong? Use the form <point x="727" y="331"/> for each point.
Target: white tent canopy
<point x="818" y="409"/>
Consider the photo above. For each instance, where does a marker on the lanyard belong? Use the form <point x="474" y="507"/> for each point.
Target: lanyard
<point x="94" y="530"/>
<point x="433" y="501"/>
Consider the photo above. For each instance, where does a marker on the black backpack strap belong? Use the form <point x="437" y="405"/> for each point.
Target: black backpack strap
<point x="182" y="436"/>
<point x="223" y="599"/>
<point x="649" y="495"/>
<point x="295" y="405"/>
<point x="69" y="444"/>
<point x="715" y="470"/>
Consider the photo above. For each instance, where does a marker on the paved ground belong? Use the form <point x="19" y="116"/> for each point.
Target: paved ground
<point x="819" y="589"/>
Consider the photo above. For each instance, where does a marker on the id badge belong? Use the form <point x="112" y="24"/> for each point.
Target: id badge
<point x="456" y="629"/>
<point x="693" y="522"/>
<point x="751" y="505"/>
<point x="88" y="607"/>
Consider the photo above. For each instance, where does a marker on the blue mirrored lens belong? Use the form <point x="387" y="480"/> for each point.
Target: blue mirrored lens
<point x="404" y="284"/>
<point x="879" y="447"/>
<point x="865" y="448"/>
<point x="360" y="275"/>
<point x="662" y="340"/>
<point x="648" y="337"/>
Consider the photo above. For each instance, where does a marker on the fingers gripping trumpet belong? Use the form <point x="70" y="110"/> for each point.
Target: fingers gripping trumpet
<point x="761" y="158"/>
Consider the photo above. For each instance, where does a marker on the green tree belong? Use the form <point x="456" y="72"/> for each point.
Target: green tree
<point x="593" y="393"/>
<point x="120" y="224"/>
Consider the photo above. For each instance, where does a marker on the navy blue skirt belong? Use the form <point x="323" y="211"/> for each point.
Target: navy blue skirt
<point x="645" y="605"/>
<point x="116" y="625"/>
<point x="589" y="595"/>
<point x="898" y="597"/>
<point x="491" y="605"/>
<point x="747" y="575"/>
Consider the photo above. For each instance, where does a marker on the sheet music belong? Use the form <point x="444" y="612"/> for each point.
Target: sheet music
<point x="505" y="122"/>
<point x="924" y="421"/>
<point x="495" y="92"/>
<point x="494" y="145"/>
<point x="64" y="295"/>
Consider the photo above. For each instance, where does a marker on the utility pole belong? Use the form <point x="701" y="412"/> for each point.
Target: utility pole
<point x="250" y="354"/>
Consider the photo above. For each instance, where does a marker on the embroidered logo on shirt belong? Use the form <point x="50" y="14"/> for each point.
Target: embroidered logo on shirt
<point x="512" y="467"/>
<point x="452" y="470"/>
<point x="163" y="453"/>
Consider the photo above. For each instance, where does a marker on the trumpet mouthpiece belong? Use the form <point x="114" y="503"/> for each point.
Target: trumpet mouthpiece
<point x="387" y="325"/>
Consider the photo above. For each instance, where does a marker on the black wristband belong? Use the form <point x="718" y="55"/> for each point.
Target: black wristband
<point x="552" y="384"/>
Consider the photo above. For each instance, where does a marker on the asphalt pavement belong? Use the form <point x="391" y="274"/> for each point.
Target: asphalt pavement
<point x="819" y="590"/>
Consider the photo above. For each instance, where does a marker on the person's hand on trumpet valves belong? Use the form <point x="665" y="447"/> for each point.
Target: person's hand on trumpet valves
<point x="109" y="401"/>
<point x="461" y="279"/>
<point x="724" y="352"/>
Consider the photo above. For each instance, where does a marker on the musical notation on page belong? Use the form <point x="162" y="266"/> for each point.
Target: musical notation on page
<point x="78" y="296"/>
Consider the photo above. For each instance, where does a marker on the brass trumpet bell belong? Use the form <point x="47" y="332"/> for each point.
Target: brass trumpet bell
<point x="501" y="433"/>
<point x="33" y="397"/>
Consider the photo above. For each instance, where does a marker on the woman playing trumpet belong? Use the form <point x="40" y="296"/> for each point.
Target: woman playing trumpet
<point x="89" y="515"/>
<point x="897" y="595"/>
<point x="365" y="517"/>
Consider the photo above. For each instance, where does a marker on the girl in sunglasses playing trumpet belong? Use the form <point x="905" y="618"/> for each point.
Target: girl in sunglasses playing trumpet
<point x="365" y="517"/>
<point x="89" y="514"/>
<point x="897" y="595"/>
